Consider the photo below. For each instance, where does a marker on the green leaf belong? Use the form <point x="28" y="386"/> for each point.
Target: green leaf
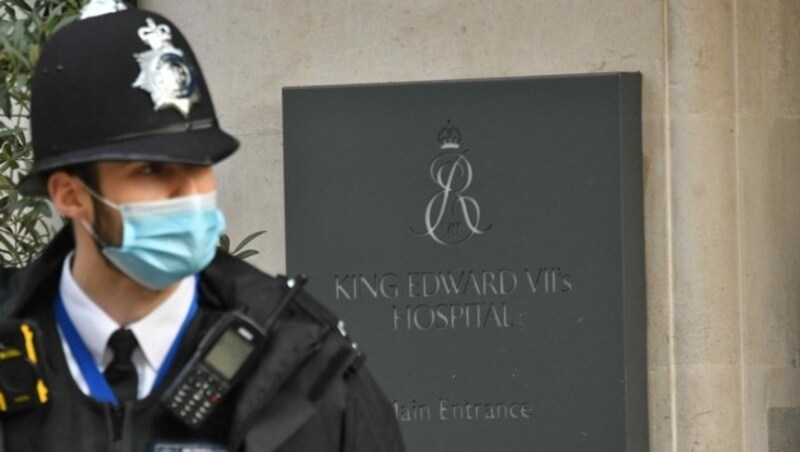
<point x="8" y="247"/>
<point x="225" y="243"/>
<point x="5" y="102"/>
<point x="245" y="254"/>
<point x="46" y="210"/>
<point x="52" y="23"/>
<point x="20" y="59"/>
<point x="7" y="133"/>
<point x="11" y="12"/>
<point x="21" y="5"/>
<point x="66" y="19"/>
<point x="247" y="240"/>
<point x="5" y="182"/>
<point x="33" y="54"/>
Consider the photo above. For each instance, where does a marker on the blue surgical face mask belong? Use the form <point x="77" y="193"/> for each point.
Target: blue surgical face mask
<point x="166" y="240"/>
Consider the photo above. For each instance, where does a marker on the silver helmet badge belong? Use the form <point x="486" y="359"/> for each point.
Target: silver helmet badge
<point x="165" y="72"/>
<point x="99" y="7"/>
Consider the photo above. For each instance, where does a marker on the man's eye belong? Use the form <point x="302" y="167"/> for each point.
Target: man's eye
<point x="151" y="168"/>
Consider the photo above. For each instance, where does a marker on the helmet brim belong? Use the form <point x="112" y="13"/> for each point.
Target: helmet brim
<point x="194" y="147"/>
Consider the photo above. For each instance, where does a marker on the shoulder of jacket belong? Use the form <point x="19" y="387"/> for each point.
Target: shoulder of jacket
<point x="230" y="283"/>
<point x="307" y="352"/>
<point x="300" y="327"/>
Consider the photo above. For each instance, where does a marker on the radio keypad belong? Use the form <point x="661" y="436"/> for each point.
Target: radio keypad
<point x="197" y="396"/>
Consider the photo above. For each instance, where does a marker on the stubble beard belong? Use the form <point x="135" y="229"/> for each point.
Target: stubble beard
<point x="103" y="226"/>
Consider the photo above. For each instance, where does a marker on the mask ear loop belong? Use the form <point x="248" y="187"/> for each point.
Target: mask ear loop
<point x="86" y="224"/>
<point x="94" y="235"/>
<point x="98" y="197"/>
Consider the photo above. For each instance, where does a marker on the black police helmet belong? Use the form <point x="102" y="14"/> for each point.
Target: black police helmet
<point x="123" y="86"/>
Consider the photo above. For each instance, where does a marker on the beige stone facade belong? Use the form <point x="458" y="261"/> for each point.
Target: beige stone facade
<point x="721" y="152"/>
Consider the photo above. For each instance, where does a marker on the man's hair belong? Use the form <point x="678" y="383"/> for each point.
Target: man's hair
<point x="86" y="172"/>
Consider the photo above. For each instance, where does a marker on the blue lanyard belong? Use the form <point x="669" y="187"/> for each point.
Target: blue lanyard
<point x="98" y="386"/>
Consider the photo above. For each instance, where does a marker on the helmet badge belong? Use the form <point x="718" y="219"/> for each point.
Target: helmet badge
<point x="99" y="7"/>
<point x="165" y="72"/>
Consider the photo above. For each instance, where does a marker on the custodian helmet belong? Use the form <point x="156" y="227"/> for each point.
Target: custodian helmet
<point x="120" y="86"/>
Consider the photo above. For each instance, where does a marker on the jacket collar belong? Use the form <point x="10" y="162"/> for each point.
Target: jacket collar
<point x="41" y="275"/>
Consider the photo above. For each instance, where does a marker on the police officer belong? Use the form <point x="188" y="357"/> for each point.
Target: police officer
<point x="125" y="136"/>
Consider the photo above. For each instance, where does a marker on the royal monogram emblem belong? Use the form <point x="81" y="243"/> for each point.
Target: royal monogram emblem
<point x="451" y="216"/>
<point x="165" y="73"/>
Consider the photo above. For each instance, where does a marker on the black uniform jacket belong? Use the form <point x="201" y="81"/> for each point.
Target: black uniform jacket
<point x="308" y="392"/>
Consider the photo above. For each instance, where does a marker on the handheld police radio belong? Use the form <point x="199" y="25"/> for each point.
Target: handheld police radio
<point x="221" y="361"/>
<point x="21" y="382"/>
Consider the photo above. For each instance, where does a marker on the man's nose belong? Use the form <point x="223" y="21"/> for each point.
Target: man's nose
<point x="192" y="180"/>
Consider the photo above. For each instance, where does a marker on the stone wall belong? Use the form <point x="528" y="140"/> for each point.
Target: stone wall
<point x="721" y="127"/>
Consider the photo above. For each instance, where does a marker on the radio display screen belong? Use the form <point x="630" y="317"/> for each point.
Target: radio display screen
<point x="228" y="354"/>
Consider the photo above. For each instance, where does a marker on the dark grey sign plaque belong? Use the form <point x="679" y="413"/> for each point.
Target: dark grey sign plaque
<point x="483" y="241"/>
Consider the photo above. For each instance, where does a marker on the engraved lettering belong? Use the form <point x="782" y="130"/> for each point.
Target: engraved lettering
<point x="533" y="283"/>
<point x="356" y="286"/>
<point x="430" y="284"/>
<point x="449" y="410"/>
<point x="370" y="286"/>
<point x="473" y="283"/>
<point x="492" y="313"/>
<point x="424" y="317"/>
<point x="339" y="286"/>
<point x="423" y="313"/>
<point x="566" y="284"/>
<point x="413" y="286"/>
<point x="450" y="284"/>
<point x="388" y="285"/>
<point x="412" y="412"/>
<point x="441" y="317"/>
<point x="488" y="282"/>
<point x="398" y="316"/>
<point x="507" y="276"/>
<point x="549" y="279"/>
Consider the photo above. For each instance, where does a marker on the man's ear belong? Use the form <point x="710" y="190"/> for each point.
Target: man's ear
<point x="69" y="196"/>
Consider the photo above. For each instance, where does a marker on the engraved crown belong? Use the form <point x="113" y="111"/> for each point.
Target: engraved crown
<point x="449" y="137"/>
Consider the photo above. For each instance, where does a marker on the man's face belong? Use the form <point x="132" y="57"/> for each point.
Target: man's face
<point x="126" y="182"/>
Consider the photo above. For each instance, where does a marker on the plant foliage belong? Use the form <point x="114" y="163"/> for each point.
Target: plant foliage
<point x="26" y="223"/>
<point x="238" y="251"/>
